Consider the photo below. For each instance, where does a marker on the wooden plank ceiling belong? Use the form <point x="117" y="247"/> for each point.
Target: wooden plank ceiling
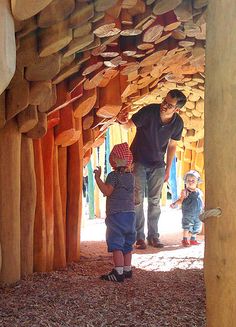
<point x="94" y="58"/>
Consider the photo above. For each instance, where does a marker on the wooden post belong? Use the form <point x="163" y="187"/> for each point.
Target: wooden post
<point x="59" y="227"/>
<point x="27" y="205"/>
<point x="74" y="199"/>
<point x="40" y="221"/>
<point x="8" y="48"/>
<point x="10" y="141"/>
<point x="62" y="167"/>
<point x="47" y="153"/>
<point x="220" y="163"/>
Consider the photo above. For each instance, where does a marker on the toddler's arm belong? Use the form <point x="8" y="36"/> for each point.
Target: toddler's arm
<point x="106" y="189"/>
<point x="202" y="200"/>
<point x="180" y="199"/>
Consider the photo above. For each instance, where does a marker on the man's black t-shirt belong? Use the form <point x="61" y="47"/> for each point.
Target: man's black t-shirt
<point x="152" y="137"/>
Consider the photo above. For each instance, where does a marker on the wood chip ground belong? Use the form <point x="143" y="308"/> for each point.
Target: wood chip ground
<point x="167" y="289"/>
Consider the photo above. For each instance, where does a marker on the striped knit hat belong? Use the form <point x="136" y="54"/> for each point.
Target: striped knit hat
<point x="121" y="156"/>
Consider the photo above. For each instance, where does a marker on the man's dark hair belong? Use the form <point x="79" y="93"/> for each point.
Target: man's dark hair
<point x="181" y="98"/>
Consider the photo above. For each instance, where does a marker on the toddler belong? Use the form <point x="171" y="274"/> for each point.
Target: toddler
<point x="191" y="199"/>
<point x="120" y="216"/>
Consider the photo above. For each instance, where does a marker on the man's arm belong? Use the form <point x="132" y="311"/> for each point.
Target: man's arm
<point x="171" y="149"/>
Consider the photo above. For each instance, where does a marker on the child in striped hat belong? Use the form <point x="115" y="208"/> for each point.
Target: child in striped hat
<point x="120" y="216"/>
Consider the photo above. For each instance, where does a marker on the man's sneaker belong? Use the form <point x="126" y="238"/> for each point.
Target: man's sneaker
<point x="140" y="245"/>
<point x="155" y="242"/>
<point x="128" y="274"/>
<point x="185" y="243"/>
<point x="194" y="242"/>
<point x="113" y="276"/>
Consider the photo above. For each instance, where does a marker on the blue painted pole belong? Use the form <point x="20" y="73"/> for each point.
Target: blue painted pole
<point x="91" y="190"/>
<point x="107" y="149"/>
<point x="173" y="180"/>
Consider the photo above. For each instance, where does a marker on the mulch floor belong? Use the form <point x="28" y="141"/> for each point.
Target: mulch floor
<point x="167" y="289"/>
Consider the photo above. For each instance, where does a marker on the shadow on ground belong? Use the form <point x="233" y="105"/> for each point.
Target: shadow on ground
<point x="77" y="297"/>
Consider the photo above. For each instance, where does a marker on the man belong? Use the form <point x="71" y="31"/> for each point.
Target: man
<point x="159" y="127"/>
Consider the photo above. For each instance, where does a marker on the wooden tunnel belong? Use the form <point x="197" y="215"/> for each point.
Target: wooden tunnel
<point x="66" y="72"/>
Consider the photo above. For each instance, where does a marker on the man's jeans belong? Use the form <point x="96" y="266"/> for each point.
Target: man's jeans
<point x="154" y="179"/>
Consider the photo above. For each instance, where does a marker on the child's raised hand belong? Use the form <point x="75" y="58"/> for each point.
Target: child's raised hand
<point x="97" y="172"/>
<point x="173" y="205"/>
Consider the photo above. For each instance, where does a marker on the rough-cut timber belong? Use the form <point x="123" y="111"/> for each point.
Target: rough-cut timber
<point x="23" y="9"/>
<point x="65" y="131"/>
<point x="62" y="168"/>
<point x="27" y="205"/>
<point x="17" y="99"/>
<point x="2" y="110"/>
<point x="10" y="144"/>
<point x="55" y="12"/>
<point x="220" y="163"/>
<point x="84" y="104"/>
<point x="8" y="45"/>
<point x="54" y="38"/>
<point x="59" y="226"/>
<point x="27" y="53"/>
<point x="110" y="99"/>
<point x="44" y="68"/>
<point x="47" y="154"/>
<point x="40" y="254"/>
<point x="27" y="119"/>
<point x="74" y="200"/>
<point x="40" y="128"/>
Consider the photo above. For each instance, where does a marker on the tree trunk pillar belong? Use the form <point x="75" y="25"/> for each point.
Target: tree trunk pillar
<point x="220" y="163"/>
<point x="27" y="205"/>
<point x="10" y="151"/>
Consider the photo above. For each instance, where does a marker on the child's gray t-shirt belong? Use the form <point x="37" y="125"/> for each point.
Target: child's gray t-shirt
<point x="122" y="197"/>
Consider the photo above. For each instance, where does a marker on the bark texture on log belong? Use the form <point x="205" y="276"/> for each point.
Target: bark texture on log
<point x="40" y="250"/>
<point x="8" y="46"/>
<point x="74" y="200"/>
<point x="10" y="145"/>
<point x="47" y="154"/>
<point x="59" y="226"/>
<point x="220" y="261"/>
<point x="22" y="9"/>
<point x="62" y="167"/>
<point x="27" y="205"/>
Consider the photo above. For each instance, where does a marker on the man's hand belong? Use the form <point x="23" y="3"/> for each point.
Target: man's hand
<point x="97" y="172"/>
<point x="167" y="175"/>
<point x="123" y="116"/>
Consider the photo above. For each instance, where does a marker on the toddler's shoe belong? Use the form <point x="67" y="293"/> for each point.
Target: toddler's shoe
<point x="113" y="276"/>
<point x="185" y="243"/>
<point x="128" y="274"/>
<point x="194" y="242"/>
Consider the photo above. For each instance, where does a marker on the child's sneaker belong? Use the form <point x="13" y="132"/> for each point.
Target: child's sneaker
<point x="128" y="274"/>
<point x="113" y="276"/>
<point x="194" y="242"/>
<point x="185" y="243"/>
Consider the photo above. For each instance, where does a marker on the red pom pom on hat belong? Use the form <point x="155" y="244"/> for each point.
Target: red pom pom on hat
<point x="121" y="156"/>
